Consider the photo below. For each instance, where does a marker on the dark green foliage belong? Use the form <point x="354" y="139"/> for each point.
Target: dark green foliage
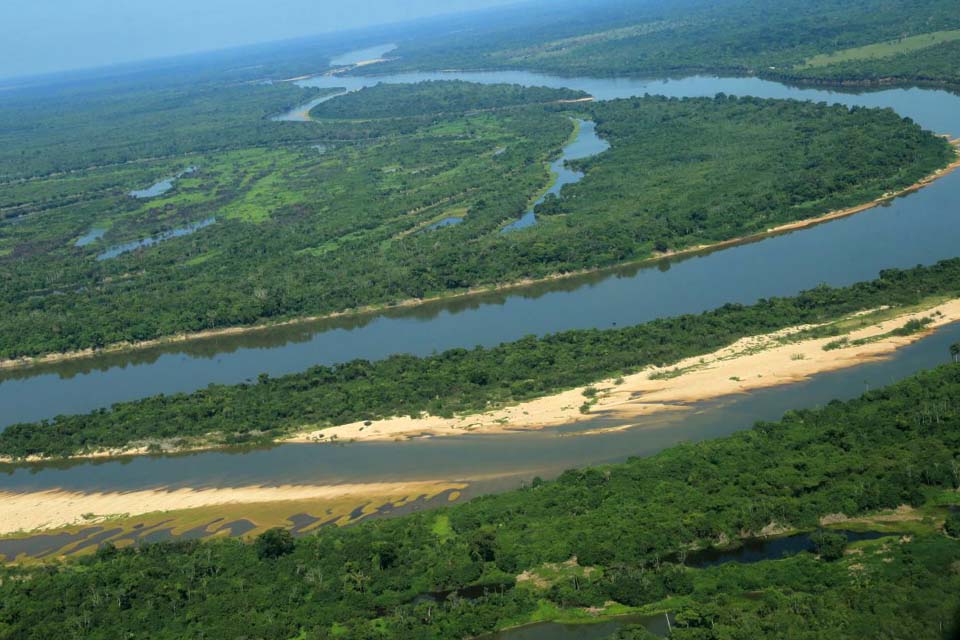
<point x="93" y="125"/>
<point x="433" y="98"/>
<point x="458" y="380"/>
<point x="952" y="524"/>
<point x="630" y="203"/>
<point x="829" y="546"/>
<point x="633" y="632"/>
<point x="869" y="454"/>
<point x="274" y="543"/>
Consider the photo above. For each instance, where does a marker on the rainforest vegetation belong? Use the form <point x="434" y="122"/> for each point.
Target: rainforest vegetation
<point x="652" y="39"/>
<point x="339" y="219"/>
<point x="435" y="98"/>
<point x="618" y="534"/>
<point x="459" y="380"/>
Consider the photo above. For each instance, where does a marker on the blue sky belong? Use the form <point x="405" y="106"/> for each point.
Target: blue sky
<point x="38" y="36"/>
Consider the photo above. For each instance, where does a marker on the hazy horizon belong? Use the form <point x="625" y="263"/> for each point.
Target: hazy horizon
<point x="49" y="36"/>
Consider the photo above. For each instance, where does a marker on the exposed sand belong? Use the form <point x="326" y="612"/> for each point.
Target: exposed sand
<point x="749" y="364"/>
<point x="51" y="509"/>
<point x="17" y="363"/>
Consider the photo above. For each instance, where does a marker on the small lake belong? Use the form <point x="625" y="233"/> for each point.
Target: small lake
<point x="760" y="549"/>
<point x="179" y="232"/>
<point x="446" y="222"/>
<point x="161" y="187"/>
<point x="89" y="237"/>
<point x="586" y="144"/>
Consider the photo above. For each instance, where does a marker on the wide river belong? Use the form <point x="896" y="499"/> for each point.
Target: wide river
<point x="915" y="229"/>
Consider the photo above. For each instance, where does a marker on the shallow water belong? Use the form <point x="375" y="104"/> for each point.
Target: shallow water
<point x="760" y="549"/>
<point x="161" y="187"/>
<point x="446" y="222"/>
<point x="89" y="237"/>
<point x="179" y="232"/>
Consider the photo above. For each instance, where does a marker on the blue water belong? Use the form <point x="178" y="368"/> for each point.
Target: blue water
<point x="127" y="247"/>
<point x="89" y="237"/>
<point x="446" y="222"/>
<point x="161" y="187"/>
<point x="586" y="145"/>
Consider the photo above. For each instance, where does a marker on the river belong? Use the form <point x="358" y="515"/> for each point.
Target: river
<point x="915" y="229"/>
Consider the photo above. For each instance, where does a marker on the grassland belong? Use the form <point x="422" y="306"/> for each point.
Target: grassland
<point x="880" y="50"/>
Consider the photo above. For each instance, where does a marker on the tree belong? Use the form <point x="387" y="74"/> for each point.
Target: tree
<point x="830" y="546"/>
<point x="952" y="524"/>
<point x="955" y="351"/>
<point x="274" y="544"/>
<point x="634" y="632"/>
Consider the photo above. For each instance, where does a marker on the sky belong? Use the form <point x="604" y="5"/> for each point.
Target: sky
<point x="40" y="36"/>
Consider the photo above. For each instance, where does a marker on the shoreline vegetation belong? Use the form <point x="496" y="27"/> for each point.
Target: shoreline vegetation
<point x="124" y="347"/>
<point x="641" y="372"/>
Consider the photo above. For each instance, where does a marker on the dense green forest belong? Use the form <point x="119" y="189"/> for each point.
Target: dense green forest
<point x="436" y="97"/>
<point x="656" y="39"/>
<point x="459" y="380"/>
<point x="300" y="231"/>
<point x="79" y="129"/>
<point x="626" y="526"/>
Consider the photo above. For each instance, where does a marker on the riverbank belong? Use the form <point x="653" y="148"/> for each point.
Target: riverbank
<point x="750" y="364"/>
<point x="46" y="510"/>
<point x="124" y="347"/>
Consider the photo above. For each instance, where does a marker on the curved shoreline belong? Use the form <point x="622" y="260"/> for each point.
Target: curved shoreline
<point x="127" y="347"/>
